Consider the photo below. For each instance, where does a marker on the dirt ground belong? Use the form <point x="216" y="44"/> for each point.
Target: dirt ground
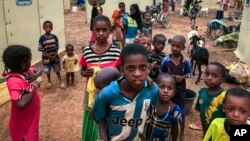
<point x="61" y="110"/>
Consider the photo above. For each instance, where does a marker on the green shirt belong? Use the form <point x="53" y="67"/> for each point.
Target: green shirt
<point x="209" y="106"/>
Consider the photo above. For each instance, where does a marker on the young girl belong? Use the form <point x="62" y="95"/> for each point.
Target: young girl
<point x="237" y="109"/>
<point x="165" y="118"/>
<point x="22" y="86"/>
<point x="70" y="65"/>
<point x="101" y="54"/>
<point x="132" y="24"/>
<point x="210" y="99"/>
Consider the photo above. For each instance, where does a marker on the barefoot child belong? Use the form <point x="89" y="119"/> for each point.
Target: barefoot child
<point x="96" y="56"/>
<point x="209" y="102"/>
<point x="236" y="106"/>
<point x="165" y="118"/>
<point x="178" y="66"/>
<point x="48" y="45"/>
<point x="22" y="84"/>
<point x="70" y="65"/>
<point x="123" y="104"/>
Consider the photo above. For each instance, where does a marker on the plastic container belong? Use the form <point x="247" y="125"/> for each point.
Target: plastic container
<point x="190" y="97"/>
<point x="101" y="2"/>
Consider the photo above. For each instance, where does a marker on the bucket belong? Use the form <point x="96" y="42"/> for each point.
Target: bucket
<point x="190" y="97"/>
<point x="101" y="2"/>
<point x="74" y="9"/>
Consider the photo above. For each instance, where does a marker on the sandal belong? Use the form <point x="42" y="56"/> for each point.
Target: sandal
<point x="62" y="86"/>
<point x="48" y="86"/>
<point x="195" y="126"/>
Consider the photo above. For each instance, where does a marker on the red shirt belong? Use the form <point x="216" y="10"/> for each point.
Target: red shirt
<point x="24" y="122"/>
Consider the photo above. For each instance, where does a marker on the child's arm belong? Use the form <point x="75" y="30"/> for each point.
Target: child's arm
<point x="102" y="125"/>
<point x="26" y="97"/>
<point x="34" y="76"/>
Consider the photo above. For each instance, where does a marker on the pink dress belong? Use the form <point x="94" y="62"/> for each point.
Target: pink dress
<point x="23" y="124"/>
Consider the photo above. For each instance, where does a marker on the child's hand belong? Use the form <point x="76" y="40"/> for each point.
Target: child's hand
<point x="34" y="76"/>
<point x="178" y="78"/>
<point x="75" y="62"/>
<point x="154" y="65"/>
<point x="88" y="72"/>
<point x="150" y="82"/>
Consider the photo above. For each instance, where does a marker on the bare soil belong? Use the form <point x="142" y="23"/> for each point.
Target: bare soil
<point x="61" y="112"/>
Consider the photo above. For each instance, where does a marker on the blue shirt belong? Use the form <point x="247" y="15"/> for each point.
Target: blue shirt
<point x="131" y="27"/>
<point x="125" y="118"/>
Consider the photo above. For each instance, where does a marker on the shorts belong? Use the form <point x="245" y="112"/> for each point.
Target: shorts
<point x="56" y="67"/>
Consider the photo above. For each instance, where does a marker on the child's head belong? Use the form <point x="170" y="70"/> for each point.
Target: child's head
<point x="177" y="44"/>
<point x="146" y="42"/>
<point x="17" y="58"/>
<point x="122" y="6"/>
<point x="69" y="49"/>
<point x="135" y="11"/>
<point x="214" y="74"/>
<point x="147" y="8"/>
<point x="47" y="27"/>
<point x="237" y="105"/>
<point x="159" y="41"/>
<point x="105" y="76"/>
<point x="147" y="16"/>
<point x="135" y="67"/>
<point x="101" y="28"/>
<point x="166" y="84"/>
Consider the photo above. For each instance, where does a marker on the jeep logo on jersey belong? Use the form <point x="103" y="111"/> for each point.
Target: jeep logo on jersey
<point x="125" y="122"/>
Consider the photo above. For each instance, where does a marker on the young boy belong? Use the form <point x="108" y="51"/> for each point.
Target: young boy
<point x="237" y="108"/>
<point x="156" y="55"/>
<point x="147" y="25"/>
<point x="48" y="45"/>
<point x="179" y="66"/>
<point x="123" y="104"/>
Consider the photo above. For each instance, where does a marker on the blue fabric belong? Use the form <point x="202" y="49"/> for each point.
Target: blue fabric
<point x="123" y="114"/>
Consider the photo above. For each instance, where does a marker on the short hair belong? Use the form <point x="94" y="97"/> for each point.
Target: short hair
<point x="69" y="45"/>
<point x="121" y="3"/>
<point x="101" y="18"/>
<point x="220" y="66"/>
<point x="165" y="75"/>
<point x="45" y="22"/>
<point x="157" y="36"/>
<point x="181" y="38"/>
<point x="14" y="56"/>
<point x="237" y="92"/>
<point x="133" y="49"/>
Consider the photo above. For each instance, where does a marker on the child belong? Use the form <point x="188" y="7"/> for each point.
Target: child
<point x="237" y="109"/>
<point x="99" y="55"/>
<point x="132" y="24"/>
<point x="70" y="65"/>
<point x="147" y="10"/>
<point x="147" y="25"/>
<point x="124" y="103"/>
<point x="193" y="15"/>
<point x="179" y="66"/>
<point x="165" y="118"/>
<point x="117" y="27"/>
<point x="146" y="42"/>
<point x="48" y="45"/>
<point x="123" y="12"/>
<point x="96" y="10"/>
<point x="209" y="102"/>
<point x="22" y="86"/>
<point x="156" y="55"/>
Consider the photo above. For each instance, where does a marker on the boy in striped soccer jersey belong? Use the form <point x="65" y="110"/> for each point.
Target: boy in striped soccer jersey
<point x="122" y="105"/>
